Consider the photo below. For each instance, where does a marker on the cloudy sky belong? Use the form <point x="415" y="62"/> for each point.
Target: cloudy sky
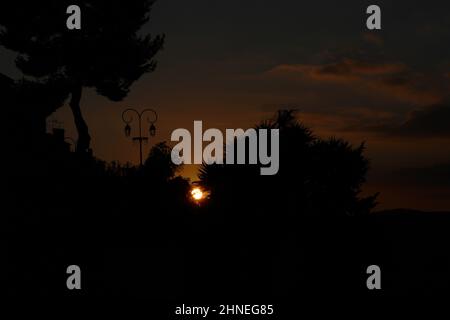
<point x="233" y="63"/>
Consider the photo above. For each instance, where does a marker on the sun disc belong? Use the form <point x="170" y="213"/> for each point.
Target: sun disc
<point x="197" y="194"/>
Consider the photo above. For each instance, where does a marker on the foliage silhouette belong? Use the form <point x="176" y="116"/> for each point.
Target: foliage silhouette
<point x="159" y="165"/>
<point x="107" y="53"/>
<point x="316" y="176"/>
<point x="134" y="232"/>
<point x="134" y="229"/>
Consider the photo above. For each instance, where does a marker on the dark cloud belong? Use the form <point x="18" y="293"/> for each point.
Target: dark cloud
<point x="432" y="176"/>
<point x="373" y="38"/>
<point x="428" y="122"/>
<point x="392" y="81"/>
<point x="368" y="95"/>
<point x="345" y="69"/>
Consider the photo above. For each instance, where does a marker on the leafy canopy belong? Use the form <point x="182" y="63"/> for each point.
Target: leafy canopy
<point x="108" y="53"/>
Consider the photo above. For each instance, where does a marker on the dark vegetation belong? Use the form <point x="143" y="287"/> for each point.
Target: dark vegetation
<point x="135" y="232"/>
<point x="306" y="232"/>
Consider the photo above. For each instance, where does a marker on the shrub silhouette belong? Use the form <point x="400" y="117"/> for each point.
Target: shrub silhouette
<point x="159" y="166"/>
<point x="316" y="176"/>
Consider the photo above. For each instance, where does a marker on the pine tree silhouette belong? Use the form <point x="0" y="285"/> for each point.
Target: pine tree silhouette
<point x="107" y="54"/>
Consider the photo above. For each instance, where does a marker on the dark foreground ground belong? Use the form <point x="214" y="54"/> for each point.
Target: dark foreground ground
<point x="140" y="245"/>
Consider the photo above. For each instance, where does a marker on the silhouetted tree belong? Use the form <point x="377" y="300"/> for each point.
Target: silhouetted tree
<point x="316" y="176"/>
<point x="107" y="53"/>
<point x="159" y="166"/>
<point x="36" y="100"/>
<point x="26" y="104"/>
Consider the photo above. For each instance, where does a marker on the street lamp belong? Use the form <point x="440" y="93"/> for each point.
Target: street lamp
<point x="139" y="138"/>
<point x="152" y="130"/>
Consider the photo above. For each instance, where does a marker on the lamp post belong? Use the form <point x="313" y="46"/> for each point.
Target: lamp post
<point x="127" y="117"/>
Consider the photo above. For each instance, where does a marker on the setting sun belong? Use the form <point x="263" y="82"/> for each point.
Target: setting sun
<point x="197" y="194"/>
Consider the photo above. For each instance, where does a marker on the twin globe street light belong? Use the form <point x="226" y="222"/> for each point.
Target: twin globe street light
<point x="127" y="117"/>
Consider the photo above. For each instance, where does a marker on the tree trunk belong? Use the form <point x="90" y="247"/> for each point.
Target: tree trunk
<point x="84" y="139"/>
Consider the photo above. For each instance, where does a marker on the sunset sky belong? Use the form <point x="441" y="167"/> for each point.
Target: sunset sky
<point x="234" y="63"/>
